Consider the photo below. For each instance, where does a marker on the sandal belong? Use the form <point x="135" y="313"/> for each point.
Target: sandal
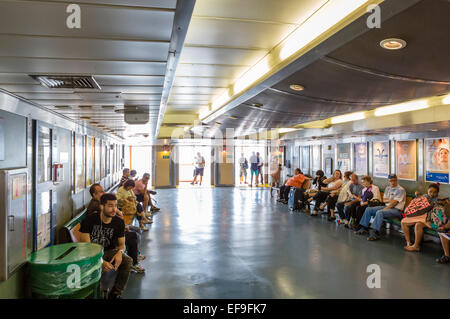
<point x="143" y="228"/>
<point x="411" y="248"/>
<point x="138" y="269"/>
<point x="443" y="260"/>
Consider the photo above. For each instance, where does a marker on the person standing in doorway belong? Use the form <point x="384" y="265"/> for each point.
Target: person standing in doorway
<point x="275" y="174"/>
<point x="260" y="168"/>
<point x="199" y="168"/>
<point x="254" y="169"/>
<point x="243" y="164"/>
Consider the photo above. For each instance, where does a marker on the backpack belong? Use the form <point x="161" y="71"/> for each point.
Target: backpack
<point x="418" y="206"/>
<point x="437" y="217"/>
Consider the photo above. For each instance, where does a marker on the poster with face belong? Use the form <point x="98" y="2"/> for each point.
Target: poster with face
<point x="406" y="160"/>
<point x="305" y="159"/>
<point x="316" y="158"/>
<point x="343" y="157"/>
<point x="436" y="160"/>
<point x="360" y="156"/>
<point x="381" y="159"/>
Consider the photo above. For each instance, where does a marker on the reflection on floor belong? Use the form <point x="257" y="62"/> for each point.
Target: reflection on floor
<point x="230" y="243"/>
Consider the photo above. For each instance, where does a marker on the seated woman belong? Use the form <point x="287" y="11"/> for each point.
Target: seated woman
<point x="126" y="201"/>
<point x="344" y="196"/>
<point x="339" y="195"/>
<point x="369" y="192"/>
<point x="419" y="222"/>
<point x="444" y="234"/>
<point x="331" y="184"/>
<point x="316" y="185"/>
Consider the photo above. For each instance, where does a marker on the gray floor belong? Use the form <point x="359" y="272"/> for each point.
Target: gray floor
<point x="238" y="243"/>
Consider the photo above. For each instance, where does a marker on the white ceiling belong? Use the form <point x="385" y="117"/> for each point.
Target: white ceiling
<point x="124" y="44"/>
<point x="225" y="38"/>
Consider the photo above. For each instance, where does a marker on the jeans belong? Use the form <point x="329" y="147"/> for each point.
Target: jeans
<point x="132" y="241"/>
<point x="379" y="214"/>
<point x="123" y="272"/>
<point x="350" y="210"/>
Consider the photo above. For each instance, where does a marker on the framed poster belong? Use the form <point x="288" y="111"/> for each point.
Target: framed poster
<point x="360" y="158"/>
<point x="406" y="159"/>
<point x="89" y="161"/>
<point x="381" y="159"/>
<point x="436" y="160"/>
<point x="305" y="159"/>
<point x="97" y="161"/>
<point x="79" y="163"/>
<point x="316" y="158"/>
<point x="343" y="157"/>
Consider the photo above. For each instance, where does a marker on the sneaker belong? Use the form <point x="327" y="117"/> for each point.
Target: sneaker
<point x="141" y="257"/>
<point x="330" y="219"/>
<point x="443" y="260"/>
<point x="137" y="269"/>
<point x="144" y="228"/>
<point x="155" y="209"/>
<point x="152" y="192"/>
<point x="374" y="237"/>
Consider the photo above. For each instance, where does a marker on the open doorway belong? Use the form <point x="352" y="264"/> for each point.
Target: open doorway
<point x="247" y="152"/>
<point x="186" y="166"/>
<point x="139" y="158"/>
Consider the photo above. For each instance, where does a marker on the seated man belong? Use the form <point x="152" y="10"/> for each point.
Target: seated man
<point x="355" y="193"/>
<point x="295" y="181"/>
<point x="108" y="230"/>
<point x="394" y="199"/>
<point x="96" y="191"/>
<point x="143" y="194"/>
<point x="125" y="176"/>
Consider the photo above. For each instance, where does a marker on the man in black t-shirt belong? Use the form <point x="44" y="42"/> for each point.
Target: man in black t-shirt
<point x="108" y="230"/>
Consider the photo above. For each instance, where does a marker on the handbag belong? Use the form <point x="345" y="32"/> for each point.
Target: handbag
<point x="418" y="206"/>
<point x="375" y="202"/>
<point x="437" y="217"/>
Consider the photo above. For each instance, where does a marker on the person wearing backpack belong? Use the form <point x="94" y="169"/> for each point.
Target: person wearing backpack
<point x="394" y="199"/>
<point x="243" y="164"/>
<point x="421" y="219"/>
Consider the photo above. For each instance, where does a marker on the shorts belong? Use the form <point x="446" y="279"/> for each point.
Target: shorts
<point x="140" y="198"/>
<point x="198" y="171"/>
<point x="254" y="172"/>
<point x="243" y="172"/>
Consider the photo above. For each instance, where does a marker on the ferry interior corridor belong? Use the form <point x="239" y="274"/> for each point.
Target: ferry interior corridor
<point x="234" y="149"/>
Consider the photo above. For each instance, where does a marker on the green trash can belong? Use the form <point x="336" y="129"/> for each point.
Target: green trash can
<point x="69" y="271"/>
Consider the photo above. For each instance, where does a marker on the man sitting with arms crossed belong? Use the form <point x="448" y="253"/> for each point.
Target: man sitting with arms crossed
<point x="107" y="229"/>
<point x="394" y="198"/>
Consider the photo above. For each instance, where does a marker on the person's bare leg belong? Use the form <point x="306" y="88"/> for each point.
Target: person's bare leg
<point x="201" y="179"/>
<point x="445" y="245"/>
<point x="145" y="203"/>
<point x="405" y="229"/>
<point x="418" y="229"/>
<point x="332" y="213"/>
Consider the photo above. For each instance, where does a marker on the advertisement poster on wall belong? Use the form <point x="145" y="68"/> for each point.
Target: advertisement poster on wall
<point x="316" y="158"/>
<point x="381" y="159"/>
<point x="360" y="157"/>
<point x="406" y="160"/>
<point x="305" y="159"/>
<point x="436" y="160"/>
<point x="343" y="157"/>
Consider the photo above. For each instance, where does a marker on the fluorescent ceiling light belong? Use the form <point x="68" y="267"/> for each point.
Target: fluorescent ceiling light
<point x="348" y="118"/>
<point x="287" y="130"/>
<point x="446" y="100"/>
<point x="400" y="108"/>
<point x="323" y="20"/>
<point x="251" y="76"/>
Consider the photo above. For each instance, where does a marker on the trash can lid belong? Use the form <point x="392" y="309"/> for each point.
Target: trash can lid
<point x="57" y="257"/>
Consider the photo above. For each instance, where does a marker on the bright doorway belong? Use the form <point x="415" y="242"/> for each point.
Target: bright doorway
<point x="139" y="158"/>
<point x="248" y="151"/>
<point x="186" y="165"/>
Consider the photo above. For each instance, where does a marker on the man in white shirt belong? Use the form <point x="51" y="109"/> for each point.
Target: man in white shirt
<point x="394" y="198"/>
<point x="199" y="168"/>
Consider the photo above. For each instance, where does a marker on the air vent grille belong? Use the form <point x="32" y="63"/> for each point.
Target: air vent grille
<point x="67" y="81"/>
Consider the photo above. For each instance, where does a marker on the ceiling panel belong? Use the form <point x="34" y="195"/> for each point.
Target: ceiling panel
<point x="221" y="56"/>
<point x="138" y="3"/>
<point x="287" y="11"/>
<point x="196" y="90"/>
<point x="201" y="81"/>
<point x="244" y="34"/>
<point x="196" y="70"/>
<point x="128" y="80"/>
<point x="26" y="17"/>
<point x="54" y="66"/>
<point x="48" y="47"/>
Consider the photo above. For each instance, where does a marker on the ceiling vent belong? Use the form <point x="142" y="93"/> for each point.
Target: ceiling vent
<point x="67" y="81"/>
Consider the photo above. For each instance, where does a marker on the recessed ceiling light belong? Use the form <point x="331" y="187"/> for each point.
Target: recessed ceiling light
<point x="93" y="122"/>
<point x="233" y="117"/>
<point x="296" y="87"/>
<point x="85" y="117"/>
<point x="393" y="44"/>
<point x="434" y="130"/>
<point x="257" y="104"/>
